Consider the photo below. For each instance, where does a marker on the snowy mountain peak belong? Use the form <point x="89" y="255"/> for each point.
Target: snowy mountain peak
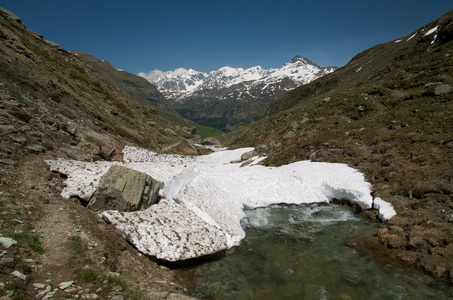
<point x="298" y="58"/>
<point x="300" y="61"/>
<point x="182" y="83"/>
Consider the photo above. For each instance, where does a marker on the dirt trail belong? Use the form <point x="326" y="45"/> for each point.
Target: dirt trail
<point x="78" y="247"/>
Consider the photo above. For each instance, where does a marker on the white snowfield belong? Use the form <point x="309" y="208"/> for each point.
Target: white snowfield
<point x="204" y="196"/>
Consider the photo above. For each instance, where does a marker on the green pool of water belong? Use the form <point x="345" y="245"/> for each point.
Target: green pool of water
<point x="300" y="252"/>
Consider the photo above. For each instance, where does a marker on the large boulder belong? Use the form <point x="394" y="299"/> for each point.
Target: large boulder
<point x="443" y="89"/>
<point x="210" y="141"/>
<point x="124" y="189"/>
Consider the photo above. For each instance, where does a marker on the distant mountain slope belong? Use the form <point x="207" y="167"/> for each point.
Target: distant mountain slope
<point x="388" y="113"/>
<point x="231" y="97"/>
<point x="141" y="90"/>
<point x="136" y="87"/>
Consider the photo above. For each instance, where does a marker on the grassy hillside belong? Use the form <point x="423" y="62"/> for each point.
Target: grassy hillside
<point x="388" y="113"/>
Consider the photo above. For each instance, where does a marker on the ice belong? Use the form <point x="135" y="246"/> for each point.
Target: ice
<point x="208" y="195"/>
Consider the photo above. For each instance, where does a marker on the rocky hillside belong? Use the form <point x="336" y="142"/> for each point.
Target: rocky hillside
<point x="53" y="104"/>
<point x="388" y="113"/>
<point x="231" y="97"/>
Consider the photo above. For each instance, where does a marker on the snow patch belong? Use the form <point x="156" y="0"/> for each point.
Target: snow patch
<point x="386" y="210"/>
<point x="204" y="196"/>
<point x="431" y="31"/>
<point x="411" y="37"/>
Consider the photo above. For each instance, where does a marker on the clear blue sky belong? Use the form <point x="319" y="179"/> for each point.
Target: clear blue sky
<point x="140" y="36"/>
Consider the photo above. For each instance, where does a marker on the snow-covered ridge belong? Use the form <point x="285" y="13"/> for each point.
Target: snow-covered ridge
<point x="204" y="196"/>
<point x="181" y="82"/>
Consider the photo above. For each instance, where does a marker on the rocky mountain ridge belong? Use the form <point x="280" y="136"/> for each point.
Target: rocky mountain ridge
<point x="230" y="97"/>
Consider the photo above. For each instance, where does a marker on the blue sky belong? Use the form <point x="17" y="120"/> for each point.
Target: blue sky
<point x="140" y="36"/>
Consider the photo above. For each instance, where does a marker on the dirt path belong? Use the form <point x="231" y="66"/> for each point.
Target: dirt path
<point x="77" y="255"/>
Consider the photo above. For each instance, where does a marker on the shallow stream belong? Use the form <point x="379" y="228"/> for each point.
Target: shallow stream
<point x="300" y="252"/>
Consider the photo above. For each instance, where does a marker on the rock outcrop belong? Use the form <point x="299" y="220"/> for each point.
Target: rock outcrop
<point x="124" y="189"/>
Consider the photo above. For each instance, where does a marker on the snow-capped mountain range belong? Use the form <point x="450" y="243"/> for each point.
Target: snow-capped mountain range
<point x="181" y="83"/>
<point x="231" y="97"/>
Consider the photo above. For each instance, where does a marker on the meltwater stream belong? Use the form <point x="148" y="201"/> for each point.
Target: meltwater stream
<point x="300" y="252"/>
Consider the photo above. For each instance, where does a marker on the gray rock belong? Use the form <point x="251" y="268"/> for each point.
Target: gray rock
<point x="19" y="139"/>
<point x="4" y="118"/>
<point x="295" y="124"/>
<point x="335" y="151"/>
<point x="35" y="34"/>
<point x="169" y="131"/>
<point x="64" y="285"/>
<point x="19" y="275"/>
<point x="8" y="129"/>
<point x="45" y="291"/>
<point x="273" y="145"/>
<point x="36" y="149"/>
<point x="248" y="155"/>
<point x="443" y="89"/>
<point x="49" y="295"/>
<point x="210" y="141"/>
<point x="190" y="130"/>
<point x="11" y="16"/>
<point x="56" y="46"/>
<point x="395" y="127"/>
<point x="20" y="113"/>
<point x="288" y="135"/>
<point x="6" y="260"/>
<point x="7" y="242"/>
<point x="39" y="285"/>
<point x="124" y="189"/>
<point x="9" y="162"/>
<point x="173" y="296"/>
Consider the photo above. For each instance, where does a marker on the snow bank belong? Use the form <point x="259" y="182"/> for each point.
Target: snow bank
<point x="385" y="209"/>
<point x="204" y="196"/>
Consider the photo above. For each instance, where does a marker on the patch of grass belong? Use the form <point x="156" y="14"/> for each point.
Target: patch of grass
<point x="76" y="244"/>
<point x="88" y="274"/>
<point x="205" y="131"/>
<point x="27" y="239"/>
<point x="129" y="291"/>
<point x="18" y="288"/>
